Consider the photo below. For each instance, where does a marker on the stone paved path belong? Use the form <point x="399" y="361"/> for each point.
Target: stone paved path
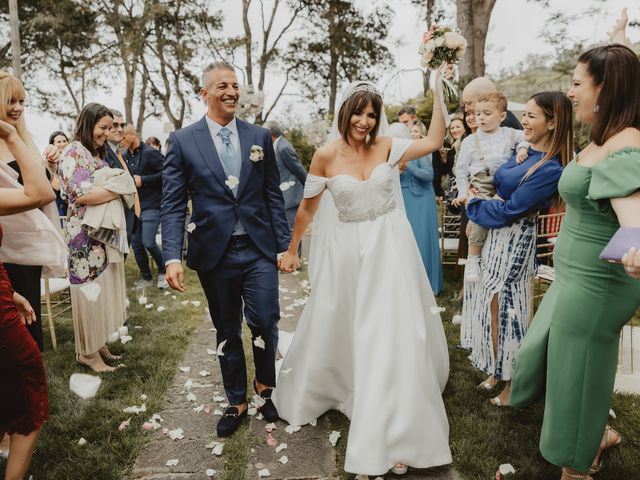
<point x="309" y="453"/>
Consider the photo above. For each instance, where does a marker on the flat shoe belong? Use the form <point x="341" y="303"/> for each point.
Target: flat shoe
<point x="230" y="421"/>
<point x="267" y="409"/>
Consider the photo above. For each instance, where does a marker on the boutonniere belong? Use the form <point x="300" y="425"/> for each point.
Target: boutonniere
<point x="256" y="154"/>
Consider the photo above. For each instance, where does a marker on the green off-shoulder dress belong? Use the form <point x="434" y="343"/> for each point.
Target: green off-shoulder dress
<point x="569" y="355"/>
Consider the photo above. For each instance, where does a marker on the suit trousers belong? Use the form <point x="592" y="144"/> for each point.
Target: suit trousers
<point x="244" y="277"/>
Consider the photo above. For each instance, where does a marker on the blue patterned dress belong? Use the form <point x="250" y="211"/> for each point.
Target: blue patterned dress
<point x="420" y="204"/>
<point x="508" y="262"/>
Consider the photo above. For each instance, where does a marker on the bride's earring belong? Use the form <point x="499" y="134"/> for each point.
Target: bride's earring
<point x="596" y="109"/>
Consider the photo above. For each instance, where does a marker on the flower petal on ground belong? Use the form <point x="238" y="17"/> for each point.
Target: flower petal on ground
<point x="270" y="427"/>
<point x="191" y="397"/>
<point x="177" y="434"/>
<point x="211" y="351"/>
<point x="217" y="450"/>
<point x="272" y="442"/>
<point x="82" y="441"/>
<point x="506" y="468"/>
<point x="333" y="437"/>
<point x="125" y="339"/>
<point x="161" y="308"/>
<point x="124" y="424"/>
<point x="83" y="385"/>
<point x="203" y="373"/>
<point x="292" y="429"/>
<point x="283" y="459"/>
<point x="185" y="369"/>
<point x="210" y="472"/>
<point x="282" y="446"/>
<point x="172" y="463"/>
<point x="264" y="473"/>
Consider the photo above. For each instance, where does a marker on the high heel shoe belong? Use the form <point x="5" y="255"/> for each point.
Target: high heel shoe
<point x="605" y="449"/>
<point x="577" y="476"/>
<point x="400" y="469"/>
<point x="106" y="354"/>
<point x="94" y="362"/>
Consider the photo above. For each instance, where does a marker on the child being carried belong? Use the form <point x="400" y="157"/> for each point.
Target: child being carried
<point x="481" y="154"/>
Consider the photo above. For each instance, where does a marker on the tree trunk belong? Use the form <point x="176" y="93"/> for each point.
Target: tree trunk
<point x="247" y="40"/>
<point x="15" y="39"/>
<point x="333" y="65"/>
<point x="473" y="17"/>
<point x="426" y="75"/>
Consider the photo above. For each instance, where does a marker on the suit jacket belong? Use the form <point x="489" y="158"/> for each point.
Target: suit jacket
<point x="147" y="162"/>
<point x="291" y="170"/>
<point x="511" y="121"/>
<point x="192" y="167"/>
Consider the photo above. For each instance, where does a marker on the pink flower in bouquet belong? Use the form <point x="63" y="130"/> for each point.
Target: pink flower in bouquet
<point x="455" y="41"/>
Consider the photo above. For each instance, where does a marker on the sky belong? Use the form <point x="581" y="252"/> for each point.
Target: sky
<point x="514" y="33"/>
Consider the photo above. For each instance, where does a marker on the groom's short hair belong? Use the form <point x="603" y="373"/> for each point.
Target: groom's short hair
<point x="216" y="66"/>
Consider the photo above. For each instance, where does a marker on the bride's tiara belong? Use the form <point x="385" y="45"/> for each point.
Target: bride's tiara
<point x="365" y="87"/>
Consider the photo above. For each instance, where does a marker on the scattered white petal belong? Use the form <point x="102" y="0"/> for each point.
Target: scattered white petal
<point x="457" y="319"/>
<point x="83" y="385"/>
<point x="264" y="473"/>
<point x="292" y="428"/>
<point x="232" y="182"/>
<point x="161" y="308"/>
<point x="259" y="342"/>
<point x="123" y="330"/>
<point x="333" y="437"/>
<point x="437" y="310"/>
<point x="177" y="434"/>
<point x="188" y="384"/>
<point x="313" y="423"/>
<point x="210" y="472"/>
<point x="258" y="401"/>
<point x="220" y="347"/>
<point x="184" y="302"/>
<point x="259" y="416"/>
<point x="191" y="397"/>
<point x="82" y="441"/>
<point x="191" y="227"/>
<point x="124" y="424"/>
<point x="612" y="414"/>
<point x="173" y="462"/>
<point x="143" y="397"/>
<point x="211" y="444"/>
<point x="283" y="460"/>
<point x="284" y="186"/>
<point x="252" y="411"/>
<point x="185" y="369"/>
<point x="218" y="398"/>
<point x="506" y="468"/>
<point x="149" y="306"/>
<point x="211" y="351"/>
<point x="270" y="427"/>
<point x="125" y="339"/>
<point x="195" y="303"/>
<point x="138" y="327"/>
<point x="135" y="409"/>
<point x="203" y="373"/>
<point x="173" y="297"/>
<point x="198" y="409"/>
<point x="217" y="450"/>
<point x="282" y="446"/>
<point x="142" y="300"/>
<point x="218" y="412"/>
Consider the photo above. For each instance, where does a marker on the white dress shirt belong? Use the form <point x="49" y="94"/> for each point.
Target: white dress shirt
<point x="496" y="147"/>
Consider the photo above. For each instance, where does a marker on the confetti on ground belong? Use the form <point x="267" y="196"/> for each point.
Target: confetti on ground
<point x="149" y="306"/>
<point x="333" y="437"/>
<point x="161" y="308"/>
<point x="173" y="462"/>
<point x="210" y="472"/>
<point x="184" y="302"/>
<point x="292" y="429"/>
<point x="282" y="446"/>
<point x="217" y="450"/>
<point x="135" y="409"/>
<point x="82" y="441"/>
<point x="124" y="424"/>
<point x="217" y="412"/>
<point x="270" y="427"/>
<point x="125" y="339"/>
<point x="211" y="351"/>
<point x="437" y="310"/>
<point x="283" y="459"/>
<point x="506" y="469"/>
<point x="457" y="319"/>
<point x="191" y="397"/>
<point x="177" y="434"/>
<point x="195" y="303"/>
<point x="218" y="398"/>
<point x="264" y="473"/>
<point x="313" y="423"/>
<point x="143" y="397"/>
<point x="252" y="411"/>
<point x="83" y="385"/>
<point x="142" y="300"/>
<point x="272" y="442"/>
<point x="198" y="409"/>
<point x="185" y="369"/>
<point x="203" y="373"/>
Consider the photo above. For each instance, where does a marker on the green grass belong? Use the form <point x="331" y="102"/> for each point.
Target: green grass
<point x="483" y="437"/>
<point x="150" y="365"/>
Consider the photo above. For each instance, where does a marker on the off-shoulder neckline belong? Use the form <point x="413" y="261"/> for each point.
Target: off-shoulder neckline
<point x="608" y="157"/>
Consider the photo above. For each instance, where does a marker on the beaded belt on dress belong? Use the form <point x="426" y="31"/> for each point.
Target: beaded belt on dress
<point x="369" y="215"/>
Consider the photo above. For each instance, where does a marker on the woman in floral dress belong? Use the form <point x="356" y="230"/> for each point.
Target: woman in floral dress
<point x="97" y="280"/>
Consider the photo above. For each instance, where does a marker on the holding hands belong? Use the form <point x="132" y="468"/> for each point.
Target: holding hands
<point x="288" y="262"/>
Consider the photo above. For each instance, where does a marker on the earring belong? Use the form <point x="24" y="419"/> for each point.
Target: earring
<point x="596" y="109"/>
<point x="550" y="128"/>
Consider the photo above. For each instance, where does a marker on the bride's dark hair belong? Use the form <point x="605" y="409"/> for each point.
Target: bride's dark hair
<point x="357" y="103"/>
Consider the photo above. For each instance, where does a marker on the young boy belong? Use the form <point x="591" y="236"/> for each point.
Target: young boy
<point x="481" y="154"/>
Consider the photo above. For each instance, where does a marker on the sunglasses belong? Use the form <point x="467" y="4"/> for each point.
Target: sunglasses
<point x="121" y="125"/>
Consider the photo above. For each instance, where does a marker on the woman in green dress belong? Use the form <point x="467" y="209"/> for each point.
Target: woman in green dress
<point x="569" y="355"/>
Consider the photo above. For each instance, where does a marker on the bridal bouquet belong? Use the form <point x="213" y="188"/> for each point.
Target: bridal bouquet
<point x="441" y="45"/>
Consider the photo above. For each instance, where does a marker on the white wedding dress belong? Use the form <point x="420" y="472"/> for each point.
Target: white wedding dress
<point x="370" y="342"/>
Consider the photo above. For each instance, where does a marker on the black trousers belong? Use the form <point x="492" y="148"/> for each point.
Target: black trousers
<point x="25" y="279"/>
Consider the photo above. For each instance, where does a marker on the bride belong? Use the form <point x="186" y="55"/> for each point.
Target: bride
<point x="370" y="342"/>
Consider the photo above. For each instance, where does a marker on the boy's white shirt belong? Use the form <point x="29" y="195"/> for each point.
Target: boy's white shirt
<point x="497" y="148"/>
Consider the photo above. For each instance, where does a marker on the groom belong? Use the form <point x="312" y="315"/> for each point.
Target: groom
<point x="238" y="226"/>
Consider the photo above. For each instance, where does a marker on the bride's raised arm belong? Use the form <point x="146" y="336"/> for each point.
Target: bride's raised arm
<point x="435" y="137"/>
<point x="289" y="261"/>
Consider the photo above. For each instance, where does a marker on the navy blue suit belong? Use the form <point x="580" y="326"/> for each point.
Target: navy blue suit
<point x="236" y="270"/>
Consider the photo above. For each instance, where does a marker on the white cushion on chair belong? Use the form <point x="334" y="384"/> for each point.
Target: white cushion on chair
<point x="56" y="285"/>
<point x="451" y="244"/>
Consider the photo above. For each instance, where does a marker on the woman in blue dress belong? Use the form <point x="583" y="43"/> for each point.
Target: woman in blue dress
<point x="420" y="204"/>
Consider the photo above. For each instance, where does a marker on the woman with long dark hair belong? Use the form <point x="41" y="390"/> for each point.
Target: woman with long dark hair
<point x="96" y="268"/>
<point x="498" y="309"/>
<point x="569" y="357"/>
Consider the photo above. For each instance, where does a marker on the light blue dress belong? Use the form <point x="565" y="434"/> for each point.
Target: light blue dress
<point x="420" y="204"/>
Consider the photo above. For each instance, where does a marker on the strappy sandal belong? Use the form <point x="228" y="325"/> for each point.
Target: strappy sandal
<point x="106" y="354"/>
<point x="577" y="476"/>
<point x="606" y="449"/>
<point x="94" y="362"/>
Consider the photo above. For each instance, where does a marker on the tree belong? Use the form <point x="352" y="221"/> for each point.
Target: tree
<point x="340" y="43"/>
<point x="473" y="18"/>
